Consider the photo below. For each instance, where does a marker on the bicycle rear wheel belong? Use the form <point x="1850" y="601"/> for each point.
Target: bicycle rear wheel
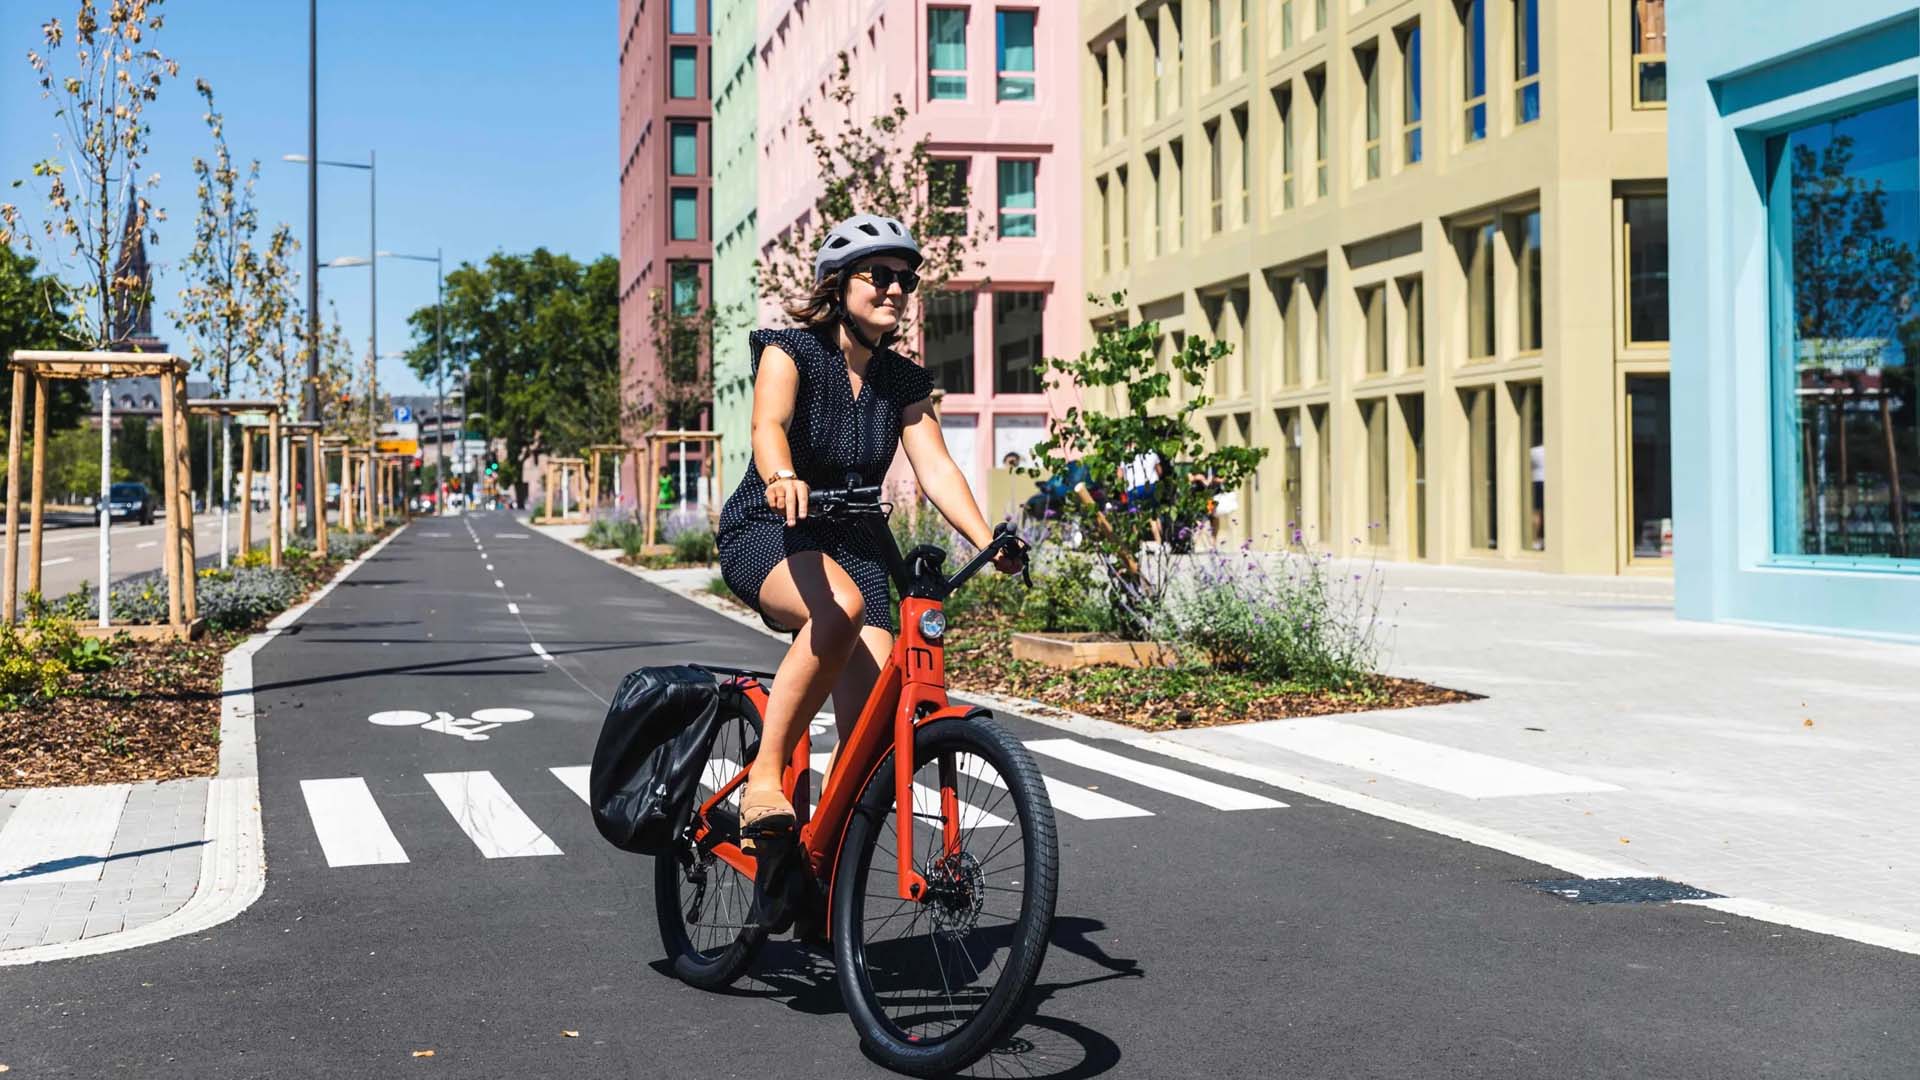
<point x="703" y="903"/>
<point x="933" y="985"/>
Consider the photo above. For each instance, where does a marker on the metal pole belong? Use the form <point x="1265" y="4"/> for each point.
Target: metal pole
<point x="226" y="481"/>
<point x="373" y="305"/>
<point x="106" y="489"/>
<point x="316" y="504"/>
<point x="439" y="382"/>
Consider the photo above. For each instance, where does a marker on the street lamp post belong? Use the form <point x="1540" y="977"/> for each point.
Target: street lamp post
<point x="439" y="372"/>
<point x="373" y="279"/>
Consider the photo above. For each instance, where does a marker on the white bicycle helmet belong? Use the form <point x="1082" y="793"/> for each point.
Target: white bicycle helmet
<point x="863" y="236"/>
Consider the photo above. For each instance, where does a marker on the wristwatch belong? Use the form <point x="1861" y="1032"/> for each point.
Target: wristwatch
<point x="782" y="474"/>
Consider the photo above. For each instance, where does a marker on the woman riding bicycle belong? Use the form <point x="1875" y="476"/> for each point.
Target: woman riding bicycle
<point x="831" y="400"/>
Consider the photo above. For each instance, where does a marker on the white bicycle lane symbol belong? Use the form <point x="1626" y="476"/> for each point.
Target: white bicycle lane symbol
<point x="471" y="728"/>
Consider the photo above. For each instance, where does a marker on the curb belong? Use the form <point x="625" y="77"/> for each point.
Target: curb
<point x="233" y="868"/>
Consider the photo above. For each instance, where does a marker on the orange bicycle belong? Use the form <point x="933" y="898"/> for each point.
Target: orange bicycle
<point x="932" y="872"/>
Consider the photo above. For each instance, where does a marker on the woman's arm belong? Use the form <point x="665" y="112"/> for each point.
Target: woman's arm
<point x="939" y="476"/>
<point x="776" y="387"/>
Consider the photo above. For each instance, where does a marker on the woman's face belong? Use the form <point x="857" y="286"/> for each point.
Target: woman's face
<point x="877" y="312"/>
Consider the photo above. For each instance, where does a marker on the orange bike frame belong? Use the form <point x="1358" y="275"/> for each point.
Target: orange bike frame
<point x="911" y="690"/>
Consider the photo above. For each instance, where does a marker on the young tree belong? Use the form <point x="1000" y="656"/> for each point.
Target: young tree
<point x="219" y="308"/>
<point x="867" y="166"/>
<point x="96" y="206"/>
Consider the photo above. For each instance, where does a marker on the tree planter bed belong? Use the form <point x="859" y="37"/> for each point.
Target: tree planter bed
<point x="1068" y="651"/>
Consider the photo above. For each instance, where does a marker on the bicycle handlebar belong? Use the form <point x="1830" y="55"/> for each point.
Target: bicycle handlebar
<point x="865" y="502"/>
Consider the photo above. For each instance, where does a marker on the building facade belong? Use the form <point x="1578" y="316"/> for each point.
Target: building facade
<point x="666" y="198"/>
<point x="736" y="242"/>
<point x="1796" y="161"/>
<point x="1433" y="232"/>
<point x="994" y="88"/>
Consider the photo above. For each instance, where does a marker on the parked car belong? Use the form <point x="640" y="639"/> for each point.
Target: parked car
<point x="131" y="501"/>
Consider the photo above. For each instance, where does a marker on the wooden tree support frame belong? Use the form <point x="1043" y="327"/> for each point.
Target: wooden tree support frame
<point x="39" y="367"/>
<point x="656" y="455"/>
<point x="229" y="408"/>
<point x="343" y="448"/>
<point x="307" y="432"/>
<point x="393" y="483"/>
<point x="570" y="472"/>
<point x="616" y="451"/>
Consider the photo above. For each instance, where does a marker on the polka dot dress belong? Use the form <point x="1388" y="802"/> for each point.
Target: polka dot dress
<point x="833" y="432"/>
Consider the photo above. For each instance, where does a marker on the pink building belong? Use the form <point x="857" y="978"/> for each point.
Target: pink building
<point x="995" y="87"/>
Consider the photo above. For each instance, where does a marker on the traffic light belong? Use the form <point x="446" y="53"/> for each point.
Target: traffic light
<point x="492" y="467"/>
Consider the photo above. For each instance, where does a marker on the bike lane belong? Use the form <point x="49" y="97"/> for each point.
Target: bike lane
<point x="1192" y="938"/>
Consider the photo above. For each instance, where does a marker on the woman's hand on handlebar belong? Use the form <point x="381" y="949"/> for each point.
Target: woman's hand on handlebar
<point x="789" y="497"/>
<point x="1012" y="556"/>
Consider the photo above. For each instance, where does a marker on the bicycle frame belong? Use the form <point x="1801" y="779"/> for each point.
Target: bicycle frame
<point x="910" y="690"/>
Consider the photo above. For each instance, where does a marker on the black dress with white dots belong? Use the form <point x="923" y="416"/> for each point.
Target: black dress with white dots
<point x="832" y="433"/>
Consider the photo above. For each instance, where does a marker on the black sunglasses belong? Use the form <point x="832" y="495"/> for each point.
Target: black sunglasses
<point x="883" y="277"/>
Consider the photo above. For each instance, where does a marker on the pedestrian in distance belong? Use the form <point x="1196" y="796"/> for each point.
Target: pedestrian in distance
<point x="831" y="403"/>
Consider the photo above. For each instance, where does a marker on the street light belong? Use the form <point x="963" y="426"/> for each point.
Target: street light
<point x="373" y="271"/>
<point x="439" y="370"/>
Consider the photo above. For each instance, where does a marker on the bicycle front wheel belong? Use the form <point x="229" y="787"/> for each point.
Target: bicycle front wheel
<point x="933" y="984"/>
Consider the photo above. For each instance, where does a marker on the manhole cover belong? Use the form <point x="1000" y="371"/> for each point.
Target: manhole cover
<point x="1620" y="890"/>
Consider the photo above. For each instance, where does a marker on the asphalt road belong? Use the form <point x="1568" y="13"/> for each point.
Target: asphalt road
<point x="1303" y="941"/>
<point x="71" y="548"/>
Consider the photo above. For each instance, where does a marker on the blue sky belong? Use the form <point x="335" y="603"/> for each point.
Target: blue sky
<point x="495" y="123"/>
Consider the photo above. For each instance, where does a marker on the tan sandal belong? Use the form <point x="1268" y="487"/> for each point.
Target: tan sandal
<point x="766" y="817"/>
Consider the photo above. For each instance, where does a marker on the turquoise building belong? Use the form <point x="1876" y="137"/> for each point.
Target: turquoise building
<point x="1794" y="142"/>
<point x="735" y="194"/>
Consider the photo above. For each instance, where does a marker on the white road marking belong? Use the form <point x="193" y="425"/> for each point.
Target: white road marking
<point x="489" y="568"/>
<point x="541" y="651"/>
<point x="348" y="823"/>
<point x="489" y="816"/>
<point x="148" y="544"/>
<point x="1157" y="777"/>
<point x="575" y="777"/>
<point x="58" y="561"/>
<point x="60" y="834"/>
<point x="1068" y="799"/>
<point x="513" y="608"/>
<point x="498" y="584"/>
<point x="1462" y="772"/>
<point x="926" y="803"/>
<point x="510" y="536"/>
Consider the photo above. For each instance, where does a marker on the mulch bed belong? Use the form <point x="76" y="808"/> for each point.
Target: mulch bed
<point x="153" y="716"/>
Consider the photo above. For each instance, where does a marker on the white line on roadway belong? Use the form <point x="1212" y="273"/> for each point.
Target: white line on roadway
<point x="56" y="562"/>
<point x="575" y="777"/>
<point x="926" y="802"/>
<point x="1462" y="772"/>
<point x="541" y="651"/>
<point x="1157" y="777"/>
<point x="513" y="608"/>
<point x="1068" y="799"/>
<point x="489" y="816"/>
<point x="148" y="544"/>
<point x="351" y="829"/>
<point x="498" y="584"/>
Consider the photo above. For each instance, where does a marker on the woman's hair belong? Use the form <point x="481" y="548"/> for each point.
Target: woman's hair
<point x="822" y="306"/>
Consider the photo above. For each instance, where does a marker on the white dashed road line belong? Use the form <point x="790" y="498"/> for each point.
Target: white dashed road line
<point x="498" y="584"/>
<point x="541" y="651"/>
<point x="513" y="608"/>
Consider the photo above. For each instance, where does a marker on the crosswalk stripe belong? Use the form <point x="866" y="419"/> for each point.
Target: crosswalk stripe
<point x="1157" y="777"/>
<point x="489" y="816"/>
<point x="1462" y="772"/>
<point x="926" y="801"/>
<point x="1068" y="799"/>
<point x="575" y="777"/>
<point x="349" y="825"/>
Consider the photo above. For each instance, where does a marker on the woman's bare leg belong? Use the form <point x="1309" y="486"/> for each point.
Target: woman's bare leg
<point x="855" y="686"/>
<point x="811" y="591"/>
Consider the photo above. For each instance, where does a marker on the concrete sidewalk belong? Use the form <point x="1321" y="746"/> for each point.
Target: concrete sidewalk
<point x="1775" y="767"/>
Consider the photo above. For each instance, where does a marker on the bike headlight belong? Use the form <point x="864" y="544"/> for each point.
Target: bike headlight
<point x="933" y="623"/>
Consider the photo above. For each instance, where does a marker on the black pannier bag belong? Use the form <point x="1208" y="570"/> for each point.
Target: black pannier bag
<point x="652" y="751"/>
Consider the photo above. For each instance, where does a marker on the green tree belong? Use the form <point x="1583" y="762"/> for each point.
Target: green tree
<point x="539" y="338"/>
<point x="1148" y="419"/>
<point x="219" y="308"/>
<point x="31" y="317"/>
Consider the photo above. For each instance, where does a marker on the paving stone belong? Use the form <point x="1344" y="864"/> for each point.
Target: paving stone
<point x="62" y="930"/>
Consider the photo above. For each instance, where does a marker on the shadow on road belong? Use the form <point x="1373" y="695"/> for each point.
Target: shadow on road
<point x="494" y="665"/>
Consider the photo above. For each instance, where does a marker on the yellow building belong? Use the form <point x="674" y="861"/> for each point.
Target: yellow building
<point x="1435" y="233"/>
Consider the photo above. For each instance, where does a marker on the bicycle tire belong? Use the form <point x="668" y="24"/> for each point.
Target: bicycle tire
<point x="870" y="832"/>
<point x="712" y="952"/>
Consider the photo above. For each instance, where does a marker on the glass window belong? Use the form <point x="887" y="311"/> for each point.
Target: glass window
<point x="1526" y="263"/>
<point x="1245" y="153"/>
<point x="1286" y="24"/>
<point x="1483" y="470"/>
<point x="1414" y="347"/>
<point x="686" y="149"/>
<point x="1844" y="222"/>
<point x="1014" y="30"/>
<point x="1476" y="257"/>
<point x="1125" y="213"/>
<point x="682" y="18"/>
<point x="1016" y="341"/>
<point x="949" y="319"/>
<point x="1283" y="100"/>
<point x="1290" y="439"/>
<point x="1106" y="226"/>
<point x="1650" y="441"/>
<point x="1373" y="414"/>
<point x="1216" y="178"/>
<point x="1533" y="465"/>
<point x="1284" y="296"/>
<point x="1319" y="15"/>
<point x="1317" y="82"/>
<point x="1315" y="282"/>
<point x="1216" y="43"/>
<point x="685" y="279"/>
<point x="1413" y="410"/>
<point x="1323" y="480"/>
<point x="1410" y="95"/>
<point x="1154" y="209"/>
<point x="1473" y="52"/>
<point x="1369" y="61"/>
<point x="1177" y="166"/>
<point x="1650" y="54"/>
<point x="1373" y="309"/>
<point x="1526" y="61"/>
<point x="949" y="182"/>
<point x="684" y="60"/>
<point x="1017" y="213"/>
<point x="1105" y="74"/>
<point x="1646" y="244"/>
<point x="947" y="54"/>
<point x="686" y="214"/>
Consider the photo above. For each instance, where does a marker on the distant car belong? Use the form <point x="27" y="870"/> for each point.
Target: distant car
<point x="131" y="501"/>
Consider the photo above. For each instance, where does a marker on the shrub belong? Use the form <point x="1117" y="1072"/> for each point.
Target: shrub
<point x="348" y="546"/>
<point x="1308" y="623"/>
<point x="693" y="546"/>
<point x="601" y="533"/>
<point x="254" y="557"/>
<point x="24" y="675"/>
<point x="990" y="591"/>
<point x="1069" y="595"/>
<point x="249" y="596"/>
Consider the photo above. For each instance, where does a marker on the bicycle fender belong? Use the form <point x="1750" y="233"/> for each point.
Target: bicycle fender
<point x="957" y="712"/>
